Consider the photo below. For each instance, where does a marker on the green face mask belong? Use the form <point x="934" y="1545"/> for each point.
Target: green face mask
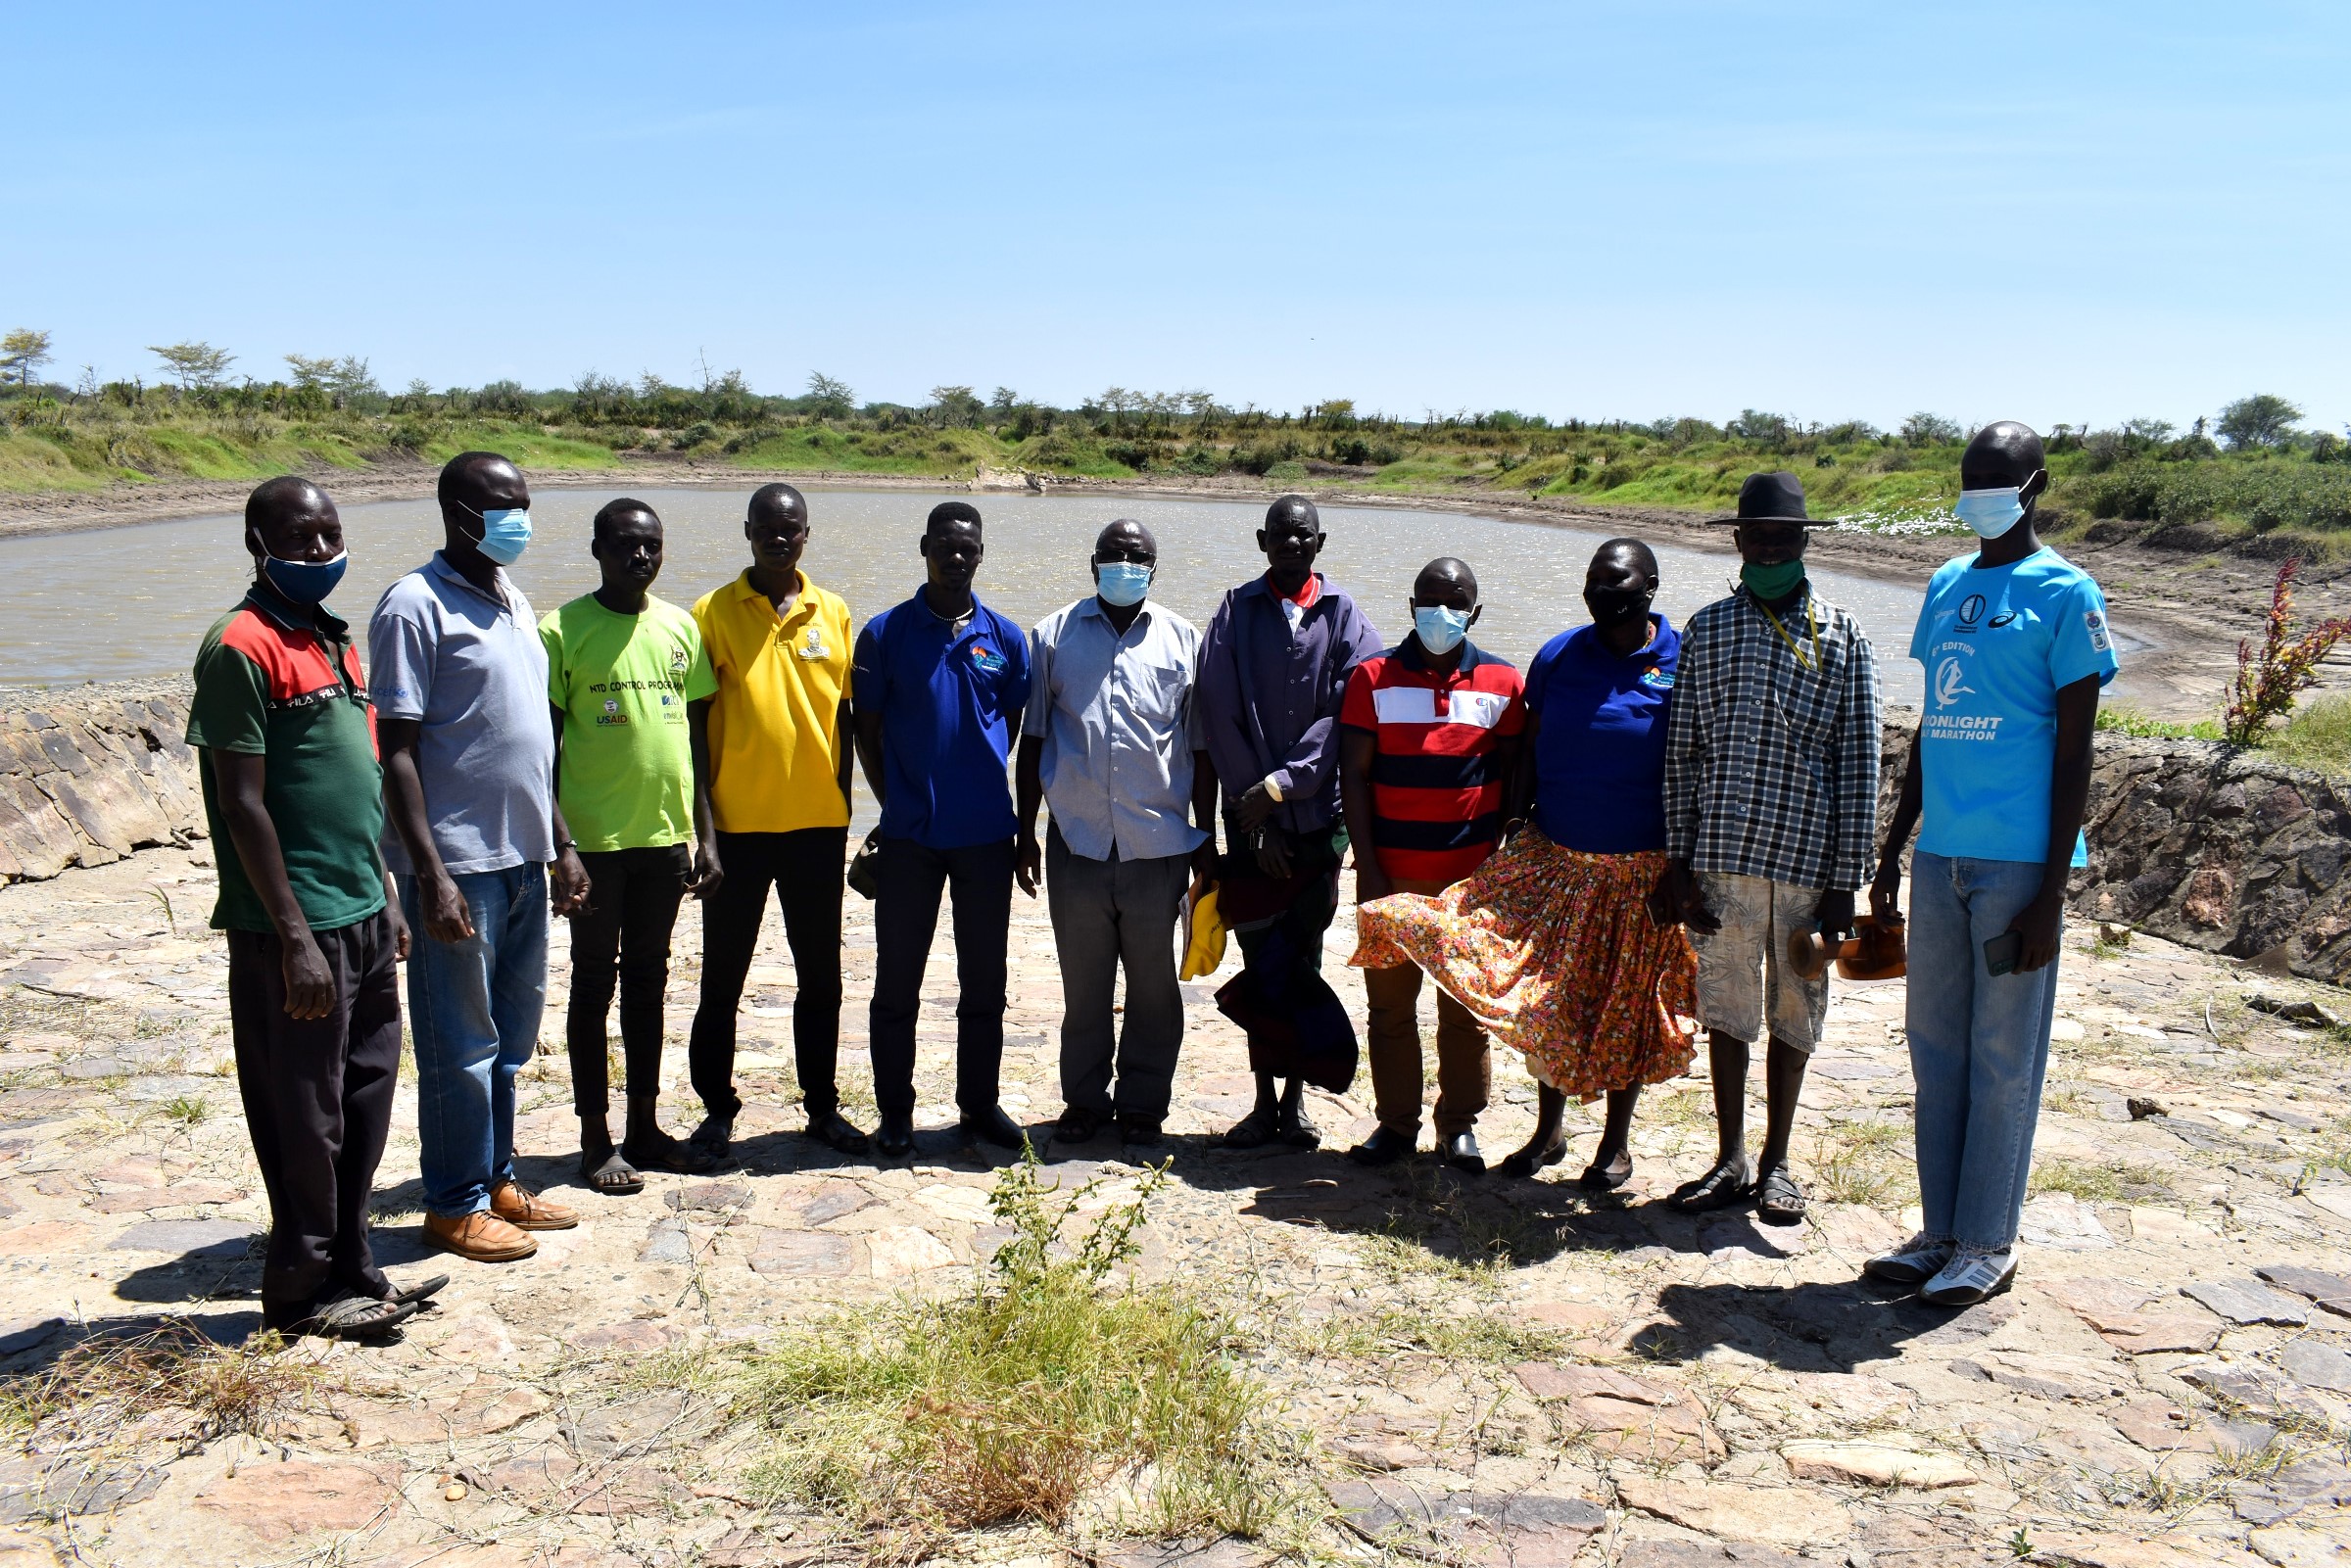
<point x="1772" y="582"/>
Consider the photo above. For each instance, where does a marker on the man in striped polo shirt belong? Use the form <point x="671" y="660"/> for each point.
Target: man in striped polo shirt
<point x="1428" y="732"/>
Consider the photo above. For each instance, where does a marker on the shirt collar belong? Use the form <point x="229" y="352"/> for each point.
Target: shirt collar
<point x="301" y="617"/>
<point x="1305" y="598"/>
<point x="746" y="592"/>
<point x="440" y="566"/>
<point x="1092" y="605"/>
<point x="1414" y="658"/>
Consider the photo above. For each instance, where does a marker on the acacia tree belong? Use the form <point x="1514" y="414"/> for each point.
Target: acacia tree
<point x="2261" y="420"/>
<point x="23" y="351"/>
<point x="193" y="365"/>
<point x="829" y="397"/>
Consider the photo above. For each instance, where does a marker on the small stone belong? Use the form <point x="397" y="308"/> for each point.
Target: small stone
<point x="2245" y="1302"/>
<point x="454" y="1492"/>
<point x="1875" y="1464"/>
<point x="2331" y="1291"/>
<point x="806" y="1254"/>
<point x="1774" y="1516"/>
<point x="712" y="1196"/>
<point x="2317" y="1367"/>
<point x="2141" y="1109"/>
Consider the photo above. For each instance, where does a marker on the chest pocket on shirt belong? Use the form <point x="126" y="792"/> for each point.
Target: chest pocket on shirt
<point x="1157" y="696"/>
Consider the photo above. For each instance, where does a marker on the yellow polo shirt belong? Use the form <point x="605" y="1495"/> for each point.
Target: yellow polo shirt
<point x="775" y="725"/>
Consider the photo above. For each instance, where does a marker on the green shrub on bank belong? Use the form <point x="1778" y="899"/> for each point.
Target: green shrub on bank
<point x="2262" y="495"/>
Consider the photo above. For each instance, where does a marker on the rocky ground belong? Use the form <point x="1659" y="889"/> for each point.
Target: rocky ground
<point x="1491" y="1371"/>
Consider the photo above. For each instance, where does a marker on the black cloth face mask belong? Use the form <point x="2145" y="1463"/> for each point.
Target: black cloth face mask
<point x="1617" y="606"/>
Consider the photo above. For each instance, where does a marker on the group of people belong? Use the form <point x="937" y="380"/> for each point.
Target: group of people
<point x="1590" y="860"/>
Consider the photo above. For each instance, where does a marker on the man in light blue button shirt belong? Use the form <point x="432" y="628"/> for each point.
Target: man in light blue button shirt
<point x="1112" y="742"/>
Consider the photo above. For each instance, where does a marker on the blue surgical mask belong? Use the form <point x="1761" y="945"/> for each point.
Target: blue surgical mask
<point x="1122" y="583"/>
<point x="505" y="533"/>
<point x="1439" y="628"/>
<point x="1990" y="512"/>
<point x="305" y="582"/>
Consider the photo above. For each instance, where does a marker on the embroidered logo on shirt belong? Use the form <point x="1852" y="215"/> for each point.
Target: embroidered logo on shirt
<point x="814" y="647"/>
<point x="1657" y="679"/>
<point x="2096" y="624"/>
<point x="987" y="659"/>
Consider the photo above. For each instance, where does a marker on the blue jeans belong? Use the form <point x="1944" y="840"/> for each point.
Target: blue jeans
<point x="1979" y="1046"/>
<point x="473" y="1011"/>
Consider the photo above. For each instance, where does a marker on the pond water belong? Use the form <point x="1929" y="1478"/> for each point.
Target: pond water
<point x="134" y="601"/>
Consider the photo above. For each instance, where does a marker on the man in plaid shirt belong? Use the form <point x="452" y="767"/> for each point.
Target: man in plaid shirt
<point x="1771" y="790"/>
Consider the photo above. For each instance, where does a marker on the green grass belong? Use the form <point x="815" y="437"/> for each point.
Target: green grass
<point x="2128" y="721"/>
<point x="1044" y="1387"/>
<point x="2318" y="735"/>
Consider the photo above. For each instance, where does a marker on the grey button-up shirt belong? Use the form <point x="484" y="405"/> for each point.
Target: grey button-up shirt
<point x="1119" y="722"/>
<point x="472" y="671"/>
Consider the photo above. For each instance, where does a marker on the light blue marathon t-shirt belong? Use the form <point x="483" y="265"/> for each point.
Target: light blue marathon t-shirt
<point x="1998" y="644"/>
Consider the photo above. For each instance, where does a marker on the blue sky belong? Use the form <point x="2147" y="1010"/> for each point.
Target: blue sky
<point x="2054" y="212"/>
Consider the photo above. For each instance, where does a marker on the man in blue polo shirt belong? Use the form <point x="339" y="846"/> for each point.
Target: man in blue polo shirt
<point x="939" y="684"/>
<point x="2015" y="644"/>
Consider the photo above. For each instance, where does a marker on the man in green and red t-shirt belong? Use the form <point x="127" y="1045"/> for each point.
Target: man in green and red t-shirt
<point x="1428" y="733"/>
<point x="295" y="800"/>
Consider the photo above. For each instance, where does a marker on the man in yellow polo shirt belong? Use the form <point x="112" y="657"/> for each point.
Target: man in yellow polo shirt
<point x="779" y="730"/>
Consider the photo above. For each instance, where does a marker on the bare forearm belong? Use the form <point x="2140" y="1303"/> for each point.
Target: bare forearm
<point x="255" y="837"/>
<point x="404" y="803"/>
<point x="1028" y="789"/>
<point x="1204" y="794"/>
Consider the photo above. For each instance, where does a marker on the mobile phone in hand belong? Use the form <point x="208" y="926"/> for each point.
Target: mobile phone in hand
<point x="2001" y="952"/>
<point x="1661" y="913"/>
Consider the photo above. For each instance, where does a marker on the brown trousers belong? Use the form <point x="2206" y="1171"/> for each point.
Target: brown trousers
<point x="1465" y="1059"/>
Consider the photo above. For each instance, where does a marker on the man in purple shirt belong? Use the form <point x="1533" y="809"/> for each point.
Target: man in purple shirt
<point x="1273" y="667"/>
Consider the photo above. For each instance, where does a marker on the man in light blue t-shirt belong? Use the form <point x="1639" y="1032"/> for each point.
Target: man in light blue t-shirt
<point x="2016" y="648"/>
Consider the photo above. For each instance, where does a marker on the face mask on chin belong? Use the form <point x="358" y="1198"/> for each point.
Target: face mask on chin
<point x="1774" y="582"/>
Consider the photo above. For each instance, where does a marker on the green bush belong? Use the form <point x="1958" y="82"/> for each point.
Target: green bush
<point x="2266" y="496"/>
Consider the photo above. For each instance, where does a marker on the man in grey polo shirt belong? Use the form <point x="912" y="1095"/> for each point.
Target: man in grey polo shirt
<point x="1112" y="742"/>
<point x="459" y="685"/>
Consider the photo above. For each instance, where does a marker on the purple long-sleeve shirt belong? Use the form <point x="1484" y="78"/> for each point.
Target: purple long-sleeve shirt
<point x="1269" y="696"/>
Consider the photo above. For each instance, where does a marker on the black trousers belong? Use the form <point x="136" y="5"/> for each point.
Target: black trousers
<point x="805" y="869"/>
<point x="623" y="936"/>
<point x="905" y="915"/>
<point x="318" y="1097"/>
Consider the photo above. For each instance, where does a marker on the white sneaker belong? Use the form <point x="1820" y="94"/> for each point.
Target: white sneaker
<point x="1918" y="1258"/>
<point x="1973" y="1273"/>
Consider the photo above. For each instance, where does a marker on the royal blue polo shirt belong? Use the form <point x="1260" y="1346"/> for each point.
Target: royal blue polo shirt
<point x="950" y="697"/>
<point x="1599" y="753"/>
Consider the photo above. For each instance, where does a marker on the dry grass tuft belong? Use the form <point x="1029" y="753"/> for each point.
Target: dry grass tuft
<point x="106" y="1384"/>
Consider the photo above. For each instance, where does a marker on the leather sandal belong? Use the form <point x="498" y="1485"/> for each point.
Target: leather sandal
<point x="612" y="1175"/>
<point x="357" y="1318"/>
<point x="1726" y="1186"/>
<point x="1779" y="1201"/>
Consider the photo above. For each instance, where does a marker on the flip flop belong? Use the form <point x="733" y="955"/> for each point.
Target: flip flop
<point x="677" y="1156"/>
<point x="613" y="1176"/>
<point x="1719" y="1188"/>
<point x="1298" y="1132"/>
<point x="355" y="1317"/>
<point x="1255" y="1130"/>
<point x="1779" y="1201"/>
<point x="424" y="1290"/>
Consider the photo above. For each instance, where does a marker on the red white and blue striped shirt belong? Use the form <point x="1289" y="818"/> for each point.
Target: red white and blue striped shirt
<point x="1436" y="778"/>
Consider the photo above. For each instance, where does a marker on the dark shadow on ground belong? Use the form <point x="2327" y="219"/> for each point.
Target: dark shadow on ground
<point x="1811" y="1327"/>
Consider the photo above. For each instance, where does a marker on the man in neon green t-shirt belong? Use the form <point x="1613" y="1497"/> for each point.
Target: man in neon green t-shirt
<point x="632" y="774"/>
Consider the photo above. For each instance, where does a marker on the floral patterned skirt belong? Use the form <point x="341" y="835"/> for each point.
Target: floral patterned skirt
<point x="1555" y="953"/>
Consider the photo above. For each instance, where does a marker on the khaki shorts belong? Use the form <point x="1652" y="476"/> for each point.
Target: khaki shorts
<point x="1743" y="971"/>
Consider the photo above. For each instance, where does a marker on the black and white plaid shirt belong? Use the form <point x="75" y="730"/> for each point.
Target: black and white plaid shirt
<point x="1771" y="769"/>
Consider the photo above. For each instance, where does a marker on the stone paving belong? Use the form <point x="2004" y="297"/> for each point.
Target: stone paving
<point x="1494" y="1371"/>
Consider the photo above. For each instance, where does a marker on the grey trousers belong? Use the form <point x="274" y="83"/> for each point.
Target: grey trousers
<point x="1105" y="913"/>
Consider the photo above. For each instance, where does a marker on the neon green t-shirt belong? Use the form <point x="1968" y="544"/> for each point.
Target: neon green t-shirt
<point x="622" y="683"/>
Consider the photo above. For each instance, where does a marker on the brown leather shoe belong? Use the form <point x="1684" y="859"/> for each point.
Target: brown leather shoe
<point x="525" y="1209"/>
<point x="483" y="1237"/>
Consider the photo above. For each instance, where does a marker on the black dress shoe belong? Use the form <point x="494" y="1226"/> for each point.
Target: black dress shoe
<point x="894" y="1138"/>
<point x="1384" y="1147"/>
<point x="837" y="1132"/>
<point x="1461" y="1152"/>
<point x="992" y="1126"/>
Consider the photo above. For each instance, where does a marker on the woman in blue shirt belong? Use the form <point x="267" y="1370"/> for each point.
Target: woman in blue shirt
<point x="1549" y="943"/>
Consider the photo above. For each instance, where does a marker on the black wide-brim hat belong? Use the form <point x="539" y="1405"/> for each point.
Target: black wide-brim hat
<point x="1774" y="497"/>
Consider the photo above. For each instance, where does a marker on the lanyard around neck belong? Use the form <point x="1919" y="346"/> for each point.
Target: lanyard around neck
<point x="1812" y="622"/>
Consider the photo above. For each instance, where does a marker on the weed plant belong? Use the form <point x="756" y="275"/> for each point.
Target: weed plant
<point x="108" y="1381"/>
<point x="1052" y="1381"/>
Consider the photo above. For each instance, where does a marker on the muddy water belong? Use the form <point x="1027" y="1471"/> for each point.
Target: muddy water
<point x="135" y="602"/>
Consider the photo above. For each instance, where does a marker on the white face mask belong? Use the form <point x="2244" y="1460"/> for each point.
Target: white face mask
<point x="1990" y="512"/>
